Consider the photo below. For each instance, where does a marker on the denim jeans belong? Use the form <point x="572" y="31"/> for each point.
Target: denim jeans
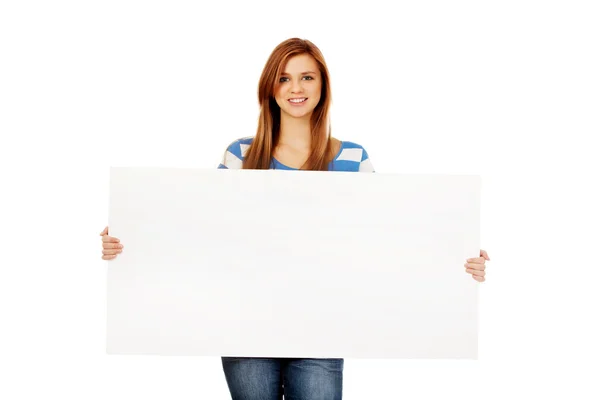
<point x="294" y="378"/>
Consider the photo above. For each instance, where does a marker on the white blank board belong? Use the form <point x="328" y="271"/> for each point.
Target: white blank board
<point x="303" y="264"/>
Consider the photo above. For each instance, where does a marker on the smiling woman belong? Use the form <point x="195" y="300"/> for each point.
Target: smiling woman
<point x="294" y="130"/>
<point x="293" y="133"/>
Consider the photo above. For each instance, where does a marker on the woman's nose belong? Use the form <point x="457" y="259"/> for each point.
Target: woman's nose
<point x="296" y="86"/>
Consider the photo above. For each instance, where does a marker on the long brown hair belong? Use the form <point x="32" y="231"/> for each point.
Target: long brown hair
<point x="259" y="154"/>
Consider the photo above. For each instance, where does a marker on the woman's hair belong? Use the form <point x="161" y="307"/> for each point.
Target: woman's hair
<point x="260" y="152"/>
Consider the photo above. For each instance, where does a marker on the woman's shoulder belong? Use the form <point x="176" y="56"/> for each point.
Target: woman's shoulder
<point x="346" y="144"/>
<point x="240" y="146"/>
<point x="352" y="151"/>
<point x="353" y="156"/>
<point x="235" y="153"/>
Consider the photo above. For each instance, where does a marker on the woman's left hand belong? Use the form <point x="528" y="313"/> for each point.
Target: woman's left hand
<point x="476" y="266"/>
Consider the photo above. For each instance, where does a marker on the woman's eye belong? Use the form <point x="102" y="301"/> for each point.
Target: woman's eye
<point x="285" y="79"/>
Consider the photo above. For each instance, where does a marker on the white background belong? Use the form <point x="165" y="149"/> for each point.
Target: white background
<point x="508" y="90"/>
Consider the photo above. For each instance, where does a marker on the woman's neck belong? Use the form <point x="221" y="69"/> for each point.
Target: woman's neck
<point x="295" y="132"/>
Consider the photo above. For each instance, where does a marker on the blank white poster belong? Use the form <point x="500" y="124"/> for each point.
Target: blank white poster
<point x="301" y="264"/>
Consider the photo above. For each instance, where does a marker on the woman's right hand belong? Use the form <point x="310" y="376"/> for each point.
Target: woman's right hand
<point x="110" y="246"/>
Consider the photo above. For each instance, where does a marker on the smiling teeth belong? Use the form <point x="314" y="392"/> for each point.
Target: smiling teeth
<point x="297" y="100"/>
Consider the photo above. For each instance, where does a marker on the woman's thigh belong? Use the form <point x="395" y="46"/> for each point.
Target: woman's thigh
<point x="253" y="378"/>
<point x="313" y="379"/>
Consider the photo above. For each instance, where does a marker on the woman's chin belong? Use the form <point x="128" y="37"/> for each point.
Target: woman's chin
<point x="299" y="114"/>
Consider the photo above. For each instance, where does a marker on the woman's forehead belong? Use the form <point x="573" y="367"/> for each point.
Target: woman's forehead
<point x="300" y="63"/>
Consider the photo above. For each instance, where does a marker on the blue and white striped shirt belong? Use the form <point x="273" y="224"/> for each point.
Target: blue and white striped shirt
<point x="351" y="157"/>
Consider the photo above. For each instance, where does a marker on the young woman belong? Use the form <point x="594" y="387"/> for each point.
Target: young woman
<point x="293" y="134"/>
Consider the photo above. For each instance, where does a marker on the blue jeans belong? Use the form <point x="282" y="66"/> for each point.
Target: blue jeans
<point x="272" y="378"/>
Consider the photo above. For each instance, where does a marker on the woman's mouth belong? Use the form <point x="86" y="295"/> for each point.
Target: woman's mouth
<point x="298" y="101"/>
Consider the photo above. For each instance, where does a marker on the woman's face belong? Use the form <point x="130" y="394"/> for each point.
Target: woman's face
<point x="299" y="89"/>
